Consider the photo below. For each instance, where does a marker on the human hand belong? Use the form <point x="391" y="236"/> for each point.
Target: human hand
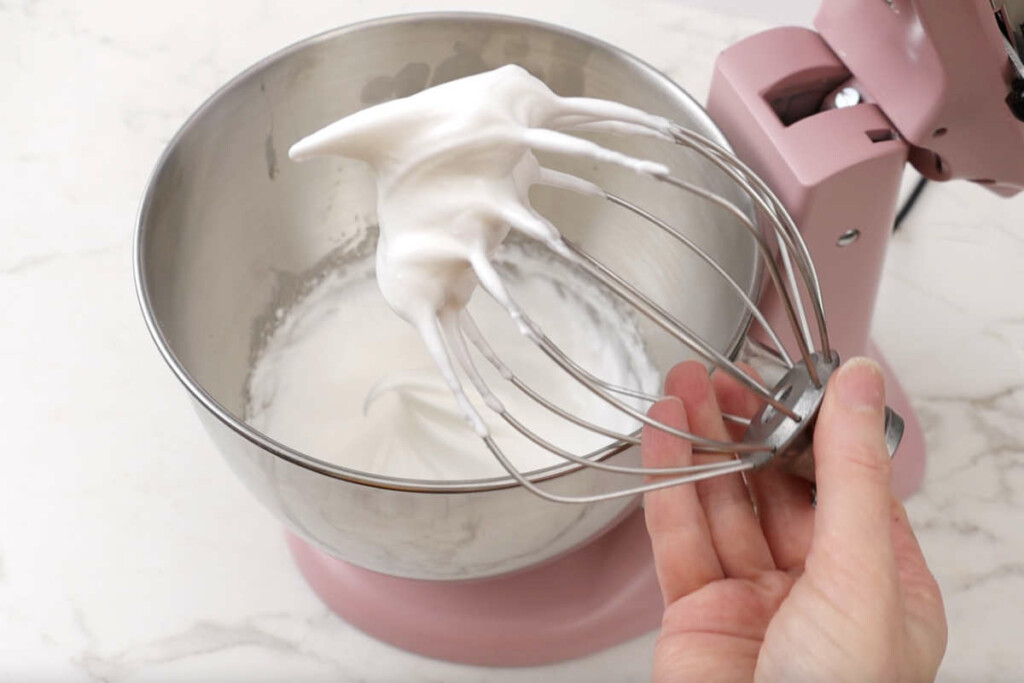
<point x="789" y="592"/>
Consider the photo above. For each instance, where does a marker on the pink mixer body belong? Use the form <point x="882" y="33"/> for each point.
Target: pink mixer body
<point x="832" y="118"/>
<point x="838" y="173"/>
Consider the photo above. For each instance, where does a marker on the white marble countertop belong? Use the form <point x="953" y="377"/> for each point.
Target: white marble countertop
<point x="129" y="552"/>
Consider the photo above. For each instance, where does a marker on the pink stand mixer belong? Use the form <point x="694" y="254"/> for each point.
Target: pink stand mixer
<point x="828" y="118"/>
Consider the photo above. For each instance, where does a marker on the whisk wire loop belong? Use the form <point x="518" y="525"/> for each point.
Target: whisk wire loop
<point x="786" y="228"/>
<point x="693" y="477"/>
<point x="677" y="329"/>
<point x="792" y="302"/>
<point x="558" y="356"/>
<point x="706" y="258"/>
<point x="783" y="420"/>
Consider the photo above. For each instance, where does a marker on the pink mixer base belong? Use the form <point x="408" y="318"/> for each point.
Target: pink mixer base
<point x="909" y="463"/>
<point x="598" y="596"/>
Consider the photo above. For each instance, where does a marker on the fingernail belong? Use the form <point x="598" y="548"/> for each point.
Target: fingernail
<point x="860" y="385"/>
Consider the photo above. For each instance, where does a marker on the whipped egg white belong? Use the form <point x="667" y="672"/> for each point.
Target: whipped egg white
<point x="454" y="165"/>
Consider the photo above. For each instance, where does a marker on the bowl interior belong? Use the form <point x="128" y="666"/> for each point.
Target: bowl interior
<point x="231" y="230"/>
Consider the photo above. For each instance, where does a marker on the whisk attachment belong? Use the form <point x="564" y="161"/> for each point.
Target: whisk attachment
<point x="791" y="442"/>
<point x="780" y="433"/>
<point x="482" y="131"/>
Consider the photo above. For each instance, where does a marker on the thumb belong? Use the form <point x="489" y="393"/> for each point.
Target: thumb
<point x="852" y="470"/>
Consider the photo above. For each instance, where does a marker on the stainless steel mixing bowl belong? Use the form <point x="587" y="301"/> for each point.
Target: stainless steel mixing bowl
<point x="230" y="229"/>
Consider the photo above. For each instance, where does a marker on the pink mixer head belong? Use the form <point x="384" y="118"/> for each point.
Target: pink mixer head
<point x="948" y="74"/>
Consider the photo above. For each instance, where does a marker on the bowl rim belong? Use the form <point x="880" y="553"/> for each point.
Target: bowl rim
<point x="296" y="457"/>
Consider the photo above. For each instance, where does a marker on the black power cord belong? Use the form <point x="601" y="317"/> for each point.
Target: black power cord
<point x="909" y="203"/>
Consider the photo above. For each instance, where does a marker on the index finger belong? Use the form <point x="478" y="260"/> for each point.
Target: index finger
<point x="684" y="555"/>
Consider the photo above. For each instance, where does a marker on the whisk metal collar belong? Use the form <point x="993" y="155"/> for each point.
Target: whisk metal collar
<point x="790" y="441"/>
